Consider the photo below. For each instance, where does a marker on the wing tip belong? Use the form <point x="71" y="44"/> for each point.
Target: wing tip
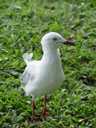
<point x="27" y="57"/>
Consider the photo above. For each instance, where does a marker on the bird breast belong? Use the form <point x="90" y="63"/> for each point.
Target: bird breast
<point x="50" y="76"/>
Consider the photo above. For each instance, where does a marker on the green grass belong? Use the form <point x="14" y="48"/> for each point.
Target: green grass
<point x="22" y="24"/>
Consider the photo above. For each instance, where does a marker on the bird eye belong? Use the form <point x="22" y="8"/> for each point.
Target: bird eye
<point x="55" y="39"/>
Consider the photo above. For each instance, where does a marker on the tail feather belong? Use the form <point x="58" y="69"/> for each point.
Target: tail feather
<point x="27" y="57"/>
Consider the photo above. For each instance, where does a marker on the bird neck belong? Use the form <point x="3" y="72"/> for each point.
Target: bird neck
<point x="50" y="54"/>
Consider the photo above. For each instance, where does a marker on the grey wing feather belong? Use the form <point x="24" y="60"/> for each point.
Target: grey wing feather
<point x="28" y="74"/>
<point x="25" y="77"/>
<point x="30" y="71"/>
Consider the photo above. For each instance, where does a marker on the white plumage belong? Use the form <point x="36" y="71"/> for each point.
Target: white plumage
<point x="44" y="76"/>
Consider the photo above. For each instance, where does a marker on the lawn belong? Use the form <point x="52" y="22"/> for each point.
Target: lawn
<point x="22" y="25"/>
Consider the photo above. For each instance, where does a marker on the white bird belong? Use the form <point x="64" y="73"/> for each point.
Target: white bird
<point x="45" y="76"/>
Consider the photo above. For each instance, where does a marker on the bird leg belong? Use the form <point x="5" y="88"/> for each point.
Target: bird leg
<point x="44" y="108"/>
<point x="32" y="119"/>
<point x="33" y="105"/>
<point x="44" y="114"/>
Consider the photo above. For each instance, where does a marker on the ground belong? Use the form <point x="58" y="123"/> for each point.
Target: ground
<point x="22" y="24"/>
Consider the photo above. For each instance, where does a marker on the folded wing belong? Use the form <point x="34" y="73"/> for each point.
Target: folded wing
<point x="29" y="73"/>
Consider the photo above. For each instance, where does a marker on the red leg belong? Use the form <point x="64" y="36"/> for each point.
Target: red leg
<point x="44" y="108"/>
<point x="44" y="114"/>
<point x="33" y="105"/>
<point x="32" y="119"/>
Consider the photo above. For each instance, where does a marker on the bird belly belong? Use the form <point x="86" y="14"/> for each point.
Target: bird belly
<point x="49" y="77"/>
<point x="49" y="84"/>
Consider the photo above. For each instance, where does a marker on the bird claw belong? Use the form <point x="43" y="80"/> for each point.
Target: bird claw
<point x="45" y="115"/>
<point x="34" y="122"/>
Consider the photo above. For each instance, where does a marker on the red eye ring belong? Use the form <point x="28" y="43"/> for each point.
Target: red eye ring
<point x="54" y="38"/>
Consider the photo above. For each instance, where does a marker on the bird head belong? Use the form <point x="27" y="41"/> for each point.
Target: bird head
<point x="53" y="39"/>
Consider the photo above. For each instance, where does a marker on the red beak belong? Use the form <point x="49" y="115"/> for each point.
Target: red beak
<point x="70" y="43"/>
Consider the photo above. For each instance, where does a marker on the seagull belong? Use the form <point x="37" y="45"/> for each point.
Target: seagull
<point x="45" y="76"/>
